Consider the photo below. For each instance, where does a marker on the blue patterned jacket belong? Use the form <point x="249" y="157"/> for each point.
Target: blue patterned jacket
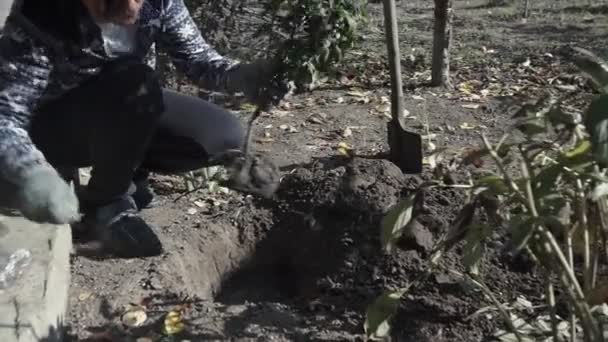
<point x="33" y="71"/>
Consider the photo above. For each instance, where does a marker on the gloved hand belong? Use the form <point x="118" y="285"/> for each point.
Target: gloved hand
<point x="46" y="198"/>
<point x="260" y="81"/>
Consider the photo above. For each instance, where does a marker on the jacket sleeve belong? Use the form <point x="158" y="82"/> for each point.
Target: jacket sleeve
<point x="189" y="51"/>
<point x="24" y="72"/>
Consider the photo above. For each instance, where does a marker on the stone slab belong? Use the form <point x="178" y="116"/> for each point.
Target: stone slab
<point x="34" y="307"/>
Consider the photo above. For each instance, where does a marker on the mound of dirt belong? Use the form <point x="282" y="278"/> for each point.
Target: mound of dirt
<point x="321" y="245"/>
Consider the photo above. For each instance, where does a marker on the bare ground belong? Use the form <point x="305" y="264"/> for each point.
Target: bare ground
<point x="304" y="266"/>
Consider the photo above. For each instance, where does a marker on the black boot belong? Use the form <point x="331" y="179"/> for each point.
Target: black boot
<point x="116" y="230"/>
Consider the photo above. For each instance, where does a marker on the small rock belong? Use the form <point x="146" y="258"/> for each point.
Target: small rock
<point x="236" y="309"/>
<point x="445" y="279"/>
<point x="192" y="211"/>
<point x="418" y="238"/>
<point x="253" y="329"/>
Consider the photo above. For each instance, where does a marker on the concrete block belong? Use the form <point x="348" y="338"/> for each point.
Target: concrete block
<point x="34" y="307"/>
<point x="5" y="7"/>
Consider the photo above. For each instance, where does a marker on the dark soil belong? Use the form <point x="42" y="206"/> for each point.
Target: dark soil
<point x="305" y="265"/>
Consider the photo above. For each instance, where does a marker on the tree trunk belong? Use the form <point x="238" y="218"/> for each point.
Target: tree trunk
<point x="526" y="9"/>
<point x="442" y="41"/>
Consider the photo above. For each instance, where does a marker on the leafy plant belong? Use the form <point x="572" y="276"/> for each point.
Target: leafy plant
<point x="547" y="189"/>
<point x="312" y="35"/>
<point x="309" y="36"/>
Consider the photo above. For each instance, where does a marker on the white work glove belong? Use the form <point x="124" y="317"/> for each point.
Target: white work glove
<point x="45" y="197"/>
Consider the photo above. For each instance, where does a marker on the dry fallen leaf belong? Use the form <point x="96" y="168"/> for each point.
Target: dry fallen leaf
<point x="134" y="318"/>
<point x="356" y="93"/>
<point x="344" y="149"/>
<point x="465" y="88"/>
<point x="466" y="125"/>
<point x="248" y="107"/>
<point x="470" y="106"/>
<point x="84" y="296"/>
<point x="144" y="339"/>
<point x="173" y="323"/>
<point x="384" y="108"/>
<point x="347" y="132"/>
<point x="418" y="97"/>
<point x="280" y="113"/>
<point x="317" y="118"/>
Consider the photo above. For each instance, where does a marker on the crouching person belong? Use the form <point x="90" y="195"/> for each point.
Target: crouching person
<point x="76" y="91"/>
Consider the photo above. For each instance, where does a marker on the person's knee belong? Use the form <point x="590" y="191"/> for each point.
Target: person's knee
<point x="234" y="134"/>
<point x="237" y="137"/>
<point x="228" y="134"/>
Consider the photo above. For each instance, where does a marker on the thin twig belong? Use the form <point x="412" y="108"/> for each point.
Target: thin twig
<point x="505" y="315"/>
<point x="552" y="309"/>
<point x="512" y="185"/>
<point x="582" y="217"/>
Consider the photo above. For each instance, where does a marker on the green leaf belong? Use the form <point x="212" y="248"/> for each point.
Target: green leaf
<point x="552" y="203"/>
<point x="458" y="229"/>
<point x="395" y="221"/>
<point x="596" y="122"/>
<point x="494" y="183"/>
<point x="577" y="156"/>
<point x="473" y="249"/>
<point x="379" y="313"/>
<point x="521" y="230"/>
<point x="532" y="126"/>
<point x="554" y="223"/>
<point x="581" y="149"/>
<point x="546" y="180"/>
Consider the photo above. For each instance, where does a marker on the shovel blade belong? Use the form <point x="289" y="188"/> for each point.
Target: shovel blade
<point x="405" y="148"/>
